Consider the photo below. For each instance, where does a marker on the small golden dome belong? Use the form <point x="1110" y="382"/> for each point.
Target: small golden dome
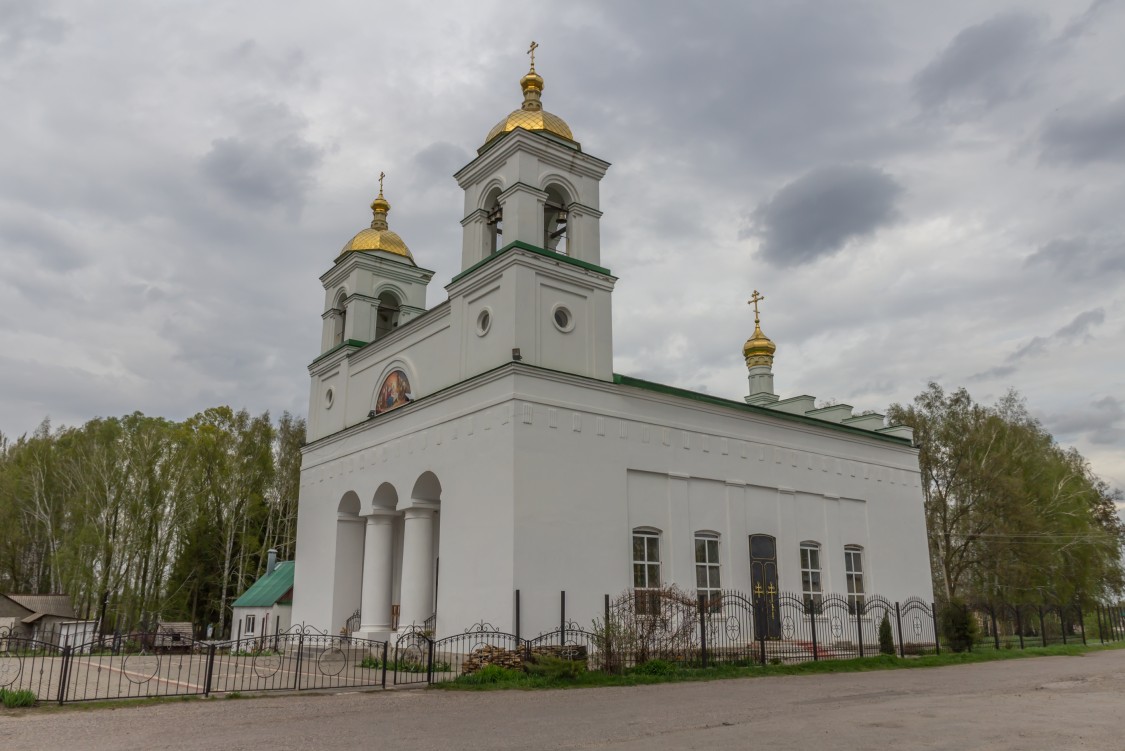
<point x="759" y="348"/>
<point x="379" y="236"/>
<point x="531" y="115"/>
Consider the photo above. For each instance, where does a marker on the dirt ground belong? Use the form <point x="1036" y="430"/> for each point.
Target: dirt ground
<point x="1050" y="702"/>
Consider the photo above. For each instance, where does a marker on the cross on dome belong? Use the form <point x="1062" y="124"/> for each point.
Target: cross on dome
<point x="754" y="299"/>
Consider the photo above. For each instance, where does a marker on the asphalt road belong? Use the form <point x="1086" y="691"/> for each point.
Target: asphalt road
<point x="1049" y="703"/>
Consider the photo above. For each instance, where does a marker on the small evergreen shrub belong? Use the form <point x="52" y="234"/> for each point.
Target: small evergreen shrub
<point x="958" y="626"/>
<point x="886" y="636"/>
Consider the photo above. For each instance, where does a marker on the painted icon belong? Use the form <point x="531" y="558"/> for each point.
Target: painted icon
<point x="394" y="392"/>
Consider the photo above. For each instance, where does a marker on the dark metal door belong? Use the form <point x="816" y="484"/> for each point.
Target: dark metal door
<point x="763" y="585"/>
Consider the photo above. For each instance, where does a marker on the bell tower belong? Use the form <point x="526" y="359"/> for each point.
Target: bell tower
<point x="374" y="286"/>
<point x="532" y="286"/>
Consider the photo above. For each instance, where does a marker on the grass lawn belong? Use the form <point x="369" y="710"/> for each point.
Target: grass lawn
<point x="493" y="678"/>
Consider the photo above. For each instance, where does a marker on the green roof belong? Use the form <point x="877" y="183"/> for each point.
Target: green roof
<point x="270" y="589"/>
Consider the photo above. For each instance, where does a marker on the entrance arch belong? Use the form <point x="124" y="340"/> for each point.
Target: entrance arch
<point x="348" y="565"/>
<point x="421" y="523"/>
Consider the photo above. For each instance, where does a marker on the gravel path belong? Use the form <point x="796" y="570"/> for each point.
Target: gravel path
<point x="1049" y="702"/>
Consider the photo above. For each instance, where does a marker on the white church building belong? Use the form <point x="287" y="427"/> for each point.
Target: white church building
<point x="460" y="453"/>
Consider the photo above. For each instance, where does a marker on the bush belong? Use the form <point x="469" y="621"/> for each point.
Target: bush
<point x="489" y="674"/>
<point x="958" y="626"/>
<point x="18" y="698"/>
<point x="886" y="636"/>
<point x="554" y="668"/>
<point x="656" y="667"/>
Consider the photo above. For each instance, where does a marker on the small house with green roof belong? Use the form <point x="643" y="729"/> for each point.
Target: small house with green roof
<point x="266" y="608"/>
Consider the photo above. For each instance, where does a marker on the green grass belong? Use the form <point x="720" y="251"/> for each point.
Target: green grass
<point x="16" y="699"/>
<point x="650" y="673"/>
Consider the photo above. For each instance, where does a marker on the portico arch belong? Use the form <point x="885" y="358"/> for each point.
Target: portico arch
<point x="382" y="537"/>
<point x="348" y="564"/>
<point x="420" y="546"/>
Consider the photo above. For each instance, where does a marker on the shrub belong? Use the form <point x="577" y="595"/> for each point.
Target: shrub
<point x="489" y="674"/>
<point x="554" y="668"/>
<point x="646" y="625"/>
<point x="656" y="667"/>
<point x="18" y="698"/>
<point x="886" y="636"/>
<point x="371" y="663"/>
<point x="958" y="626"/>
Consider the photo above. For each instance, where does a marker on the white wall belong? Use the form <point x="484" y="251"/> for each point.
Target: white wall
<point x="544" y="475"/>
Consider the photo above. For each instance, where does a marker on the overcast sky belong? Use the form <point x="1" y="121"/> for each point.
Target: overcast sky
<point x="923" y="191"/>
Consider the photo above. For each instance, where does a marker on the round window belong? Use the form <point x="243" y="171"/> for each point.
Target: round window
<point x="564" y="321"/>
<point x="328" y="398"/>
<point x="484" y="322"/>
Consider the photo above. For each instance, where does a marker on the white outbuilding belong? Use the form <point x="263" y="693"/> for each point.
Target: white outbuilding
<point x="460" y="453"/>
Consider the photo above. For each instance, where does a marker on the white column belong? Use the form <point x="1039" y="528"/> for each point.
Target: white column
<point x="417" y="595"/>
<point x="378" y="546"/>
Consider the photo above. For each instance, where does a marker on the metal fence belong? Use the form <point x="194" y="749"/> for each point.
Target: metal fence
<point x="731" y="628"/>
<point x="735" y="628"/>
<point x="142" y="665"/>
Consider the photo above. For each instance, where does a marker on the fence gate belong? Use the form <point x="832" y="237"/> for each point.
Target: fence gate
<point x="413" y="658"/>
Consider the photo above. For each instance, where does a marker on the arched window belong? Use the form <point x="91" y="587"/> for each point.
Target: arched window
<point x="810" y="574"/>
<point x="554" y="220"/>
<point x="387" y="320"/>
<point x="646" y="570"/>
<point x="853" y="572"/>
<point x="494" y="221"/>
<point x="707" y="569"/>
<point x="339" y="316"/>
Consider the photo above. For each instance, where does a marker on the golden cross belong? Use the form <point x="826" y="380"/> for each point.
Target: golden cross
<point x="531" y="51"/>
<point x="381" y="176"/>
<point x="754" y="300"/>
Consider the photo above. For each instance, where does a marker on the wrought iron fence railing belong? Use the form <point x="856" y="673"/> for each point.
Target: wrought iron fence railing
<point x="143" y="665"/>
<point x="716" y="628"/>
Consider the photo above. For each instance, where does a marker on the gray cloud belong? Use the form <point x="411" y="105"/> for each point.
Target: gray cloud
<point x="40" y="239"/>
<point x="1097" y="135"/>
<point x="262" y="175"/>
<point x="1078" y="327"/>
<point x="984" y="65"/>
<point x="1081" y="324"/>
<point x="24" y="23"/>
<point x="1081" y="258"/>
<point x="1101" y="422"/>
<point x="440" y="160"/>
<point x="820" y="212"/>
<point x="1000" y="371"/>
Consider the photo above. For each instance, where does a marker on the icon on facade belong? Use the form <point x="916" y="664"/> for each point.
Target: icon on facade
<point x="394" y="392"/>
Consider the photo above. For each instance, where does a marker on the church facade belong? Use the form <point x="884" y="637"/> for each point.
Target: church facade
<point x="460" y="453"/>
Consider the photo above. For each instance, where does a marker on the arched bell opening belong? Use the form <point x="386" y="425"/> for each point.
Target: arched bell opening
<point x="339" y="318"/>
<point x="494" y="222"/>
<point x="555" y="213"/>
<point x="388" y="316"/>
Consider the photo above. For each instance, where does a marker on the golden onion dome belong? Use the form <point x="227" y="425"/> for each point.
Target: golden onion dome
<point x="379" y="236"/>
<point x="531" y="115"/>
<point x="759" y="348"/>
